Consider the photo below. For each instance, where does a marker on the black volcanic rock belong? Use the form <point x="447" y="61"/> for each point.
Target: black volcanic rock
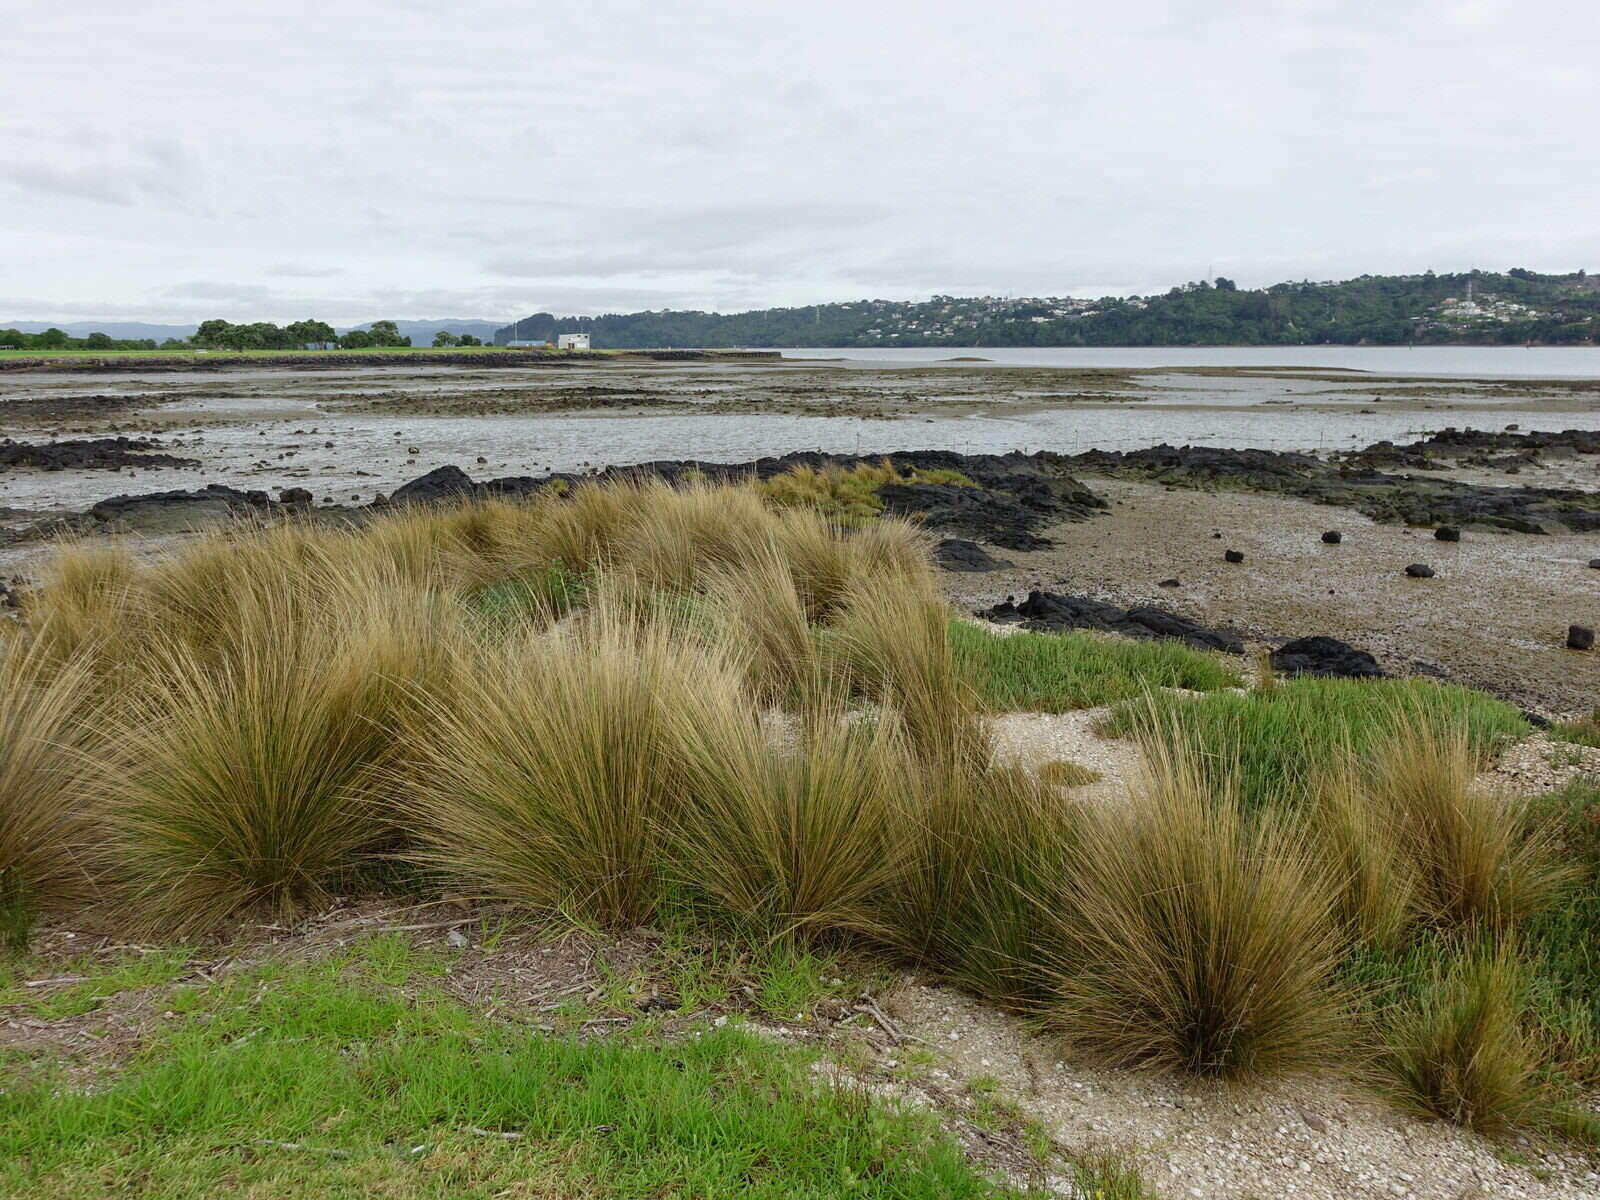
<point x="89" y="454"/>
<point x="179" y="511"/>
<point x="1420" y="571"/>
<point x="1325" y="656"/>
<point x="442" y="483"/>
<point x="958" y="554"/>
<point x="1350" y="483"/>
<point x="1579" y="637"/>
<point x="1447" y="533"/>
<point x="1333" y="537"/>
<point x="1232" y="556"/>
<point x="1050" y="612"/>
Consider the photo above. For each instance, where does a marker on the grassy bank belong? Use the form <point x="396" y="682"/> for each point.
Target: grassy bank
<point x="725" y="711"/>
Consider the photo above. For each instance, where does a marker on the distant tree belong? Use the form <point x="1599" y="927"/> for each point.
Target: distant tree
<point x="98" y="341"/>
<point x="309" y="332"/>
<point x="468" y="339"/>
<point x="214" y="332"/>
<point x="445" y="338"/>
<point x="174" y="344"/>
<point x="1224" y="284"/>
<point x="386" y="333"/>
<point x="51" y="339"/>
<point x="356" y="339"/>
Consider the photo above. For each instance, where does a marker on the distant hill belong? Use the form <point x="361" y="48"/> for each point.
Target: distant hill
<point x="1470" y="308"/>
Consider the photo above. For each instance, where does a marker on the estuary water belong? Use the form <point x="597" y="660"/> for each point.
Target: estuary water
<point x="1485" y="362"/>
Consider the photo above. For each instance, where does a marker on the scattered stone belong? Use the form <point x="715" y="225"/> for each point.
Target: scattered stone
<point x="1333" y="537"/>
<point x="1447" y="533"/>
<point x="959" y="554"/>
<point x="295" y="496"/>
<point x="1579" y="637"/>
<point x="1232" y="556"/>
<point x="1051" y="612"/>
<point x="1325" y="656"/>
<point x="1595" y="563"/>
<point x="1420" y="571"/>
<point x="1168" y="583"/>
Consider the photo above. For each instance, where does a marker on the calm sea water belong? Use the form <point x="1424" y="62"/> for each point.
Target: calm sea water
<point x="1545" y="362"/>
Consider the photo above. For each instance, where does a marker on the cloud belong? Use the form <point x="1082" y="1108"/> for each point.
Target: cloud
<point x="303" y="271"/>
<point x="719" y="154"/>
<point x="204" y="289"/>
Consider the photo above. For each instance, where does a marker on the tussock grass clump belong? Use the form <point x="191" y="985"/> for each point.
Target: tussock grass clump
<point x="680" y="536"/>
<point x="847" y="494"/>
<point x="985" y="863"/>
<point x="789" y="839"/>
<point x="1477" y="857"/>
<point x="84" y="604"/>
<point x="551" y="776"/>
<point x="1459" y="1049"/>
<point x="1194" y="939"/>
<point x="45" y="782"/>
<point x="259" y="786"/>
<point x="1064" y="773"/>
<point x="1046" y="672"/>
<point x="1276" y="743"/>
<point x="895" y="642"/>
<point x="762" y="620"/>
<point x="1363" y="846"/>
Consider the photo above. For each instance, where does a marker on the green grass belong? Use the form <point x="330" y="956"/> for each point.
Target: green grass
<point x="1046" y="672"/>
<point x="1109" y="1176"/>
<point x="1563" y="942"/>
<point x="318" y="1081"/>
<point x="95" y="978"/>
<point x="1585" y="731"/>
<point x="544" y="593"/>
<point x="1281" y="738"/>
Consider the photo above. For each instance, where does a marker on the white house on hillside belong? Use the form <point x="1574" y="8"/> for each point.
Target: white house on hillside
<point x="572" y="341"/>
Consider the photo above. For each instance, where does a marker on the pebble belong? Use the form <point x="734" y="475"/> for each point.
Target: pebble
<point x="1420" y="571"/>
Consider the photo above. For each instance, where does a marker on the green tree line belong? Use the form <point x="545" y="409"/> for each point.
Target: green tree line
<point x="1522" y="307"/>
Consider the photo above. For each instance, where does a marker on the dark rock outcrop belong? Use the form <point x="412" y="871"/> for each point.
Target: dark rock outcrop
<point x="89" y="454"/>
<point x="1579" y="637"/>
<point x="1447" y="533"/>
<point x="1333" y="537"/>
<point x="1410" y="499"/>
<point x="1420" y="571"/>
<point x="958" y="554"/>
<point x="1233" y="556"/>
<point x="1325" y="656"/>
<point x="179" y="510"/>
<point x="442" y="483"/>
<point x="1050" y="612"/>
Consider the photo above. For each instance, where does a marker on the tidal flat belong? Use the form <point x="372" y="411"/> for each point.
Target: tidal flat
<point x="1495" y="615"/>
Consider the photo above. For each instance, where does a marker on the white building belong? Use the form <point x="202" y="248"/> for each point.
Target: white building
<point x="572" y="341"/>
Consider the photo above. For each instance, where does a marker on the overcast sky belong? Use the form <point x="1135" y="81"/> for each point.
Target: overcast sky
<point x="175" y="161"/>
